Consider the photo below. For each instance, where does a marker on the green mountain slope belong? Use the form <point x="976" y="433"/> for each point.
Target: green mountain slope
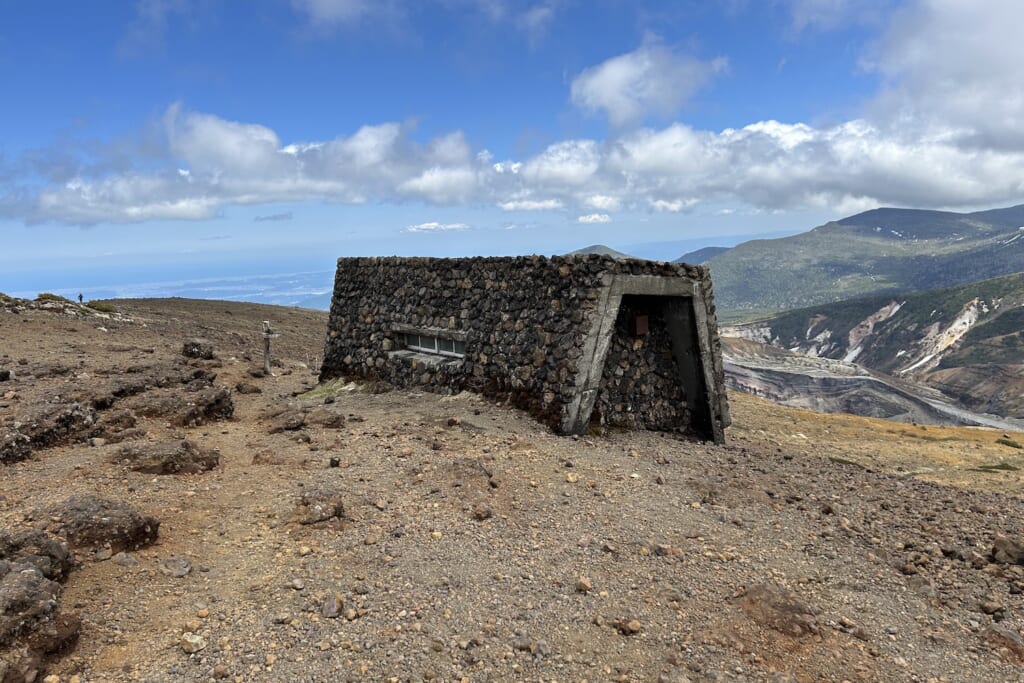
<point x="879" y="251"/>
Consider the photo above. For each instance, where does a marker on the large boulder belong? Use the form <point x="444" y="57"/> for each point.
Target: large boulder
<point x="168" y="457"/>
<point x="14" y="446"/>
<point x="31" y="565"/>
<point x="92" y="522"/>
<point x="781" y="610"/>
<point x="319" y="505"/>
<point x="186" y="409"/>
<point x="54" y="424"/>
<point x="35" y="549"/>
<point x="197" y="348"/>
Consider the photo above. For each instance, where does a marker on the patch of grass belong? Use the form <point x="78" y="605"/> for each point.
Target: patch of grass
<point x="998" y="467"/>
<point x="102" y="306"/>
<point x="48" y="296"/>
<point x="1006" y="441"/>
<point x="924" y="437"/>
<point x="343" y="385"/>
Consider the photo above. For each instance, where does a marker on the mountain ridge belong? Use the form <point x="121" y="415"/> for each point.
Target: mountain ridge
<point x="882" y="251"/>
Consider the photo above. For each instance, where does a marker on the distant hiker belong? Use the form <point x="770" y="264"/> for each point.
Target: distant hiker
<point x="79" y="297"/>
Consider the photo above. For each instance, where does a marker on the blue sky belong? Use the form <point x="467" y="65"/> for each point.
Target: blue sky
<point x="165" y="139"/>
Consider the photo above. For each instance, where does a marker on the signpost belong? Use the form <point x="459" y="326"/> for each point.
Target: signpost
<point x="268" y="334"/>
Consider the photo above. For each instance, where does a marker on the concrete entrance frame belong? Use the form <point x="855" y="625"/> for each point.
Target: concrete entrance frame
<point x="687" y="324"/>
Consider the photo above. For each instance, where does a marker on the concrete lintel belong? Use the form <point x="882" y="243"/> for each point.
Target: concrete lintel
<point x="650" y="285"/>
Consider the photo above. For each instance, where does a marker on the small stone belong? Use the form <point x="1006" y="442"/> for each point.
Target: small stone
<point x="96" y="442"/>
<point x="584" y="585"/>
<point x="1007" y="551"/>
<point x="572" y="477"/>
<point x="269" y="659"/>
<point x="482" y="512"/>
<point x="304" y="550"/>
<point x="221" y="671"/>
<point x="126" y="559"/>
<point x="371" y="539"/>
<point x="332" y="606"/>
<point x="324" y="645"/>
<point x="191" y="642"/>
<point x="52" y="678"/>
<point x="297" y="584"/>
<point x="629" y="627"/>
<point x="991" y="606"/>
<point x="203" y="613"/>
<point x="176" y="567"/>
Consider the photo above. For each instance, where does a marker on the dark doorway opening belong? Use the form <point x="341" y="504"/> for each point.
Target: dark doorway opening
<point x="652" y="376"/>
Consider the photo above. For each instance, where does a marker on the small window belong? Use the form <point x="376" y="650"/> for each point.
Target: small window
<point x="430" y="344"/>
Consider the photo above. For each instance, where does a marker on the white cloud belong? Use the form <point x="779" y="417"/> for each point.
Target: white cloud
<point x="434" y="226"/>
<point x="530" y="205"/>
<point x="952" y="69"/>
<point x="595" y="218"/>
<point x="673" y="205"/>
<point x="603" y="202"/>
<point x="442" y="185"/>
<point x="564" y="164"/>
<point x="943" y="133"/>
<point x="650" y="80"/>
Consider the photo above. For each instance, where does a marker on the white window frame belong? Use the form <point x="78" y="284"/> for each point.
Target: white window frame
<point x="427" y="343"/>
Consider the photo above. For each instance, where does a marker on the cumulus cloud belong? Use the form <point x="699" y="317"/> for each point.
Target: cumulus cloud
<point x="604" y="202"/>
<point x="650" y="80"/>
<point x="211" y="163"/>
<point x="530" y="204"/>
<point x="434" y="226"/>
<point x="952" y="70"/>
<point x="595" y="218"/>
<point x="944" y="132"/>
<point x="672" y="205"/>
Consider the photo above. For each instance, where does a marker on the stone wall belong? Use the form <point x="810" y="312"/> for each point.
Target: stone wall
<point x="528" y="325"/>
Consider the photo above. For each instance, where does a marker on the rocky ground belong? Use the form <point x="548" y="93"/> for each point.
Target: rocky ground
<point x="173" y="518"/>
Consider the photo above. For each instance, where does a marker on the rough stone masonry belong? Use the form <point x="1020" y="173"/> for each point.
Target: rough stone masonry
<point x="573" y="340"/>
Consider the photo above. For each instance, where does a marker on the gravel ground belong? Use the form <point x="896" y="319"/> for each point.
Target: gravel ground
<point x="460" y="540"/>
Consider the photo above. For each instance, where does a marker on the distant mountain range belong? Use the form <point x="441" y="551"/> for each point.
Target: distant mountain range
<point x="967" y="341"/>
<point x="879" y="251"/>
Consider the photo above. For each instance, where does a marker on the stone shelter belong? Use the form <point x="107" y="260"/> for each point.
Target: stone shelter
<point x="573" y="340"/>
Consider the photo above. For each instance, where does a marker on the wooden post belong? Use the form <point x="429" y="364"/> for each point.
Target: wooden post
<point x="268" y="334"/>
